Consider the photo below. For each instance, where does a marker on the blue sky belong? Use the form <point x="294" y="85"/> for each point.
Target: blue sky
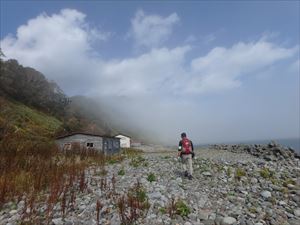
<point x="222" y="71"/>
<point x="230" y="21"/>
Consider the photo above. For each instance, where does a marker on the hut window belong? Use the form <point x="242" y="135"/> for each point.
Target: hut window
<point x="105" y="145"/>
<point x="91" y="145"/>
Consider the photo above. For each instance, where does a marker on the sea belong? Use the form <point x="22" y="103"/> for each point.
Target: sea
<point x="293" y="143"/>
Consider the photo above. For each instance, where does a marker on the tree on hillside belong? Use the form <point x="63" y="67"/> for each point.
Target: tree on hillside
<point x="1" y="60"/>
<point x="1" y="54"/>
<point x="30" y="87"/>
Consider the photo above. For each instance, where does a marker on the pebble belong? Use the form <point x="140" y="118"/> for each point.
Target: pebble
<point x="208" y="174"/>
<point x="228" y="220"/>
<point x="12" y="212"/>
<point x="297" y="212"/>
<point x="57" y="221"/>
<point x="266" y="194"/>
<point x="187" y="223"/>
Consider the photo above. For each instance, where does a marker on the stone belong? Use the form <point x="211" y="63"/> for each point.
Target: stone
<point x="297" y="212"/>
<point x="212" y="216"/>
<point x="293" y="222"/>
<point x="228" y="220"/>
<point x="193" y="216"/>
<point x="203" y="214"/>
<point x="209" y="222"/>
<point x="12" y="212"/>
<point x="282" y="203"/>
<point x="218" y="220"/>
<point x="179" y="179"/>
<point x="266" y="194"/>
<point x="58" y="221"/>
<point x="151" y="216"/>
<point x="68" y="222"/>
<point x="207" y="174"/>
<point x="155" y="195"/>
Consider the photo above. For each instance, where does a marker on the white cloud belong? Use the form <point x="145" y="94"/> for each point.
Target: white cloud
<point x="163" y="84"/>
<point x="222" y="68"/>
<point x="152" y="30"/>
<point x="145" y="74"/>
<point x="60" y="45"/>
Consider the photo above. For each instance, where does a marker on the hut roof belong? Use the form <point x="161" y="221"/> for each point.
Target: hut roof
<point x="85" y="133"/>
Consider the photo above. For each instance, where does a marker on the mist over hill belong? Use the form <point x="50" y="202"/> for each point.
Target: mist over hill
<point x="29" y="101"/>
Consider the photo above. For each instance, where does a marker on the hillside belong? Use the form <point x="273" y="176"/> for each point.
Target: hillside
<point x="35" y="107"/>
<point x="30" y="87"/>
<point x="16" y="117"/>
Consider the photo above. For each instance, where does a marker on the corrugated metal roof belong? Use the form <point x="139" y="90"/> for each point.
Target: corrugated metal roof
<point x="84" y="133"/>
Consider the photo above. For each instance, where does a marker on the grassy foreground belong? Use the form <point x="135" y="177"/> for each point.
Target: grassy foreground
<point x="35" y="171"/>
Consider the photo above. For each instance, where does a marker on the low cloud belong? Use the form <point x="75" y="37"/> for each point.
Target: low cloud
<point x="161" y="91"/>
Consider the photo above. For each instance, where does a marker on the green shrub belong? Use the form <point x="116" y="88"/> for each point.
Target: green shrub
<point x="112" y="161"/>
<point x="131" y="152"/>
<point x="138" y="161"/>
<point x="151" y="177"/>
<point x="265" y="173"/>
<point x="134" y="205"/>
<point x="228" y="171"/>
<point x="138" y="192"/>
<point x="288" y="181"/>
<point x="252" y="210"/>
<point x="231" y="193"/>
<point x="182" y="209"/>
<point x="274" y="181"/>
<point x="239" y="173"/>
<point x="121" y="172"/>
<point x="273" y="200"/>
<point x="163" y="210"/>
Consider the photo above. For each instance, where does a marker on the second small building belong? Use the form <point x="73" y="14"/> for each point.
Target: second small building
<point x="125" y="141"/>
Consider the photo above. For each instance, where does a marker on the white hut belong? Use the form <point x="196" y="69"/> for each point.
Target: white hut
<point x="124" y="140"/>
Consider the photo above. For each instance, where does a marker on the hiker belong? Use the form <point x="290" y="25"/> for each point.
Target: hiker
<point x="186" y="152"/>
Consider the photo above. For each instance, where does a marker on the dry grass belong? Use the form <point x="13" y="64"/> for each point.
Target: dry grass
<point x="36" y="172"/>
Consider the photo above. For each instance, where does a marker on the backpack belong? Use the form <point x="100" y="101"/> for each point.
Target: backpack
<point x="186" y="145"/>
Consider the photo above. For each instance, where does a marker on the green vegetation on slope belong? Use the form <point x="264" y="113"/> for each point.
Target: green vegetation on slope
<point x="15" y="117"/>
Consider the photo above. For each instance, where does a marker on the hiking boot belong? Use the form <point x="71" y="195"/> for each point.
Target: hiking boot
<point x="186" y="174"/>
<point x="190" y="177"/>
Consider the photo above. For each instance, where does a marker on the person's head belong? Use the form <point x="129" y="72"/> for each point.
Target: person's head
<point x="183" y="135"/>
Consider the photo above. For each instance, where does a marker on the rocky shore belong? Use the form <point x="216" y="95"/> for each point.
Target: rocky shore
<point x="270" y="152"/>
<point x="236" y="184"/>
